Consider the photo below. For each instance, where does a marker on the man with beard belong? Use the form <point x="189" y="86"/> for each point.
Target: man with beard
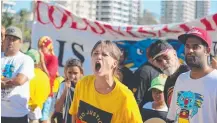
<point x="194" y="98"/>
<point x="165" y="57"/>
<point x="142" y="81"/>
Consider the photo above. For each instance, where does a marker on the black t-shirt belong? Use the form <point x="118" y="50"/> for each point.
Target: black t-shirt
<point x="143" y="77"/>
<point x="127" y="77"/>
<point x="153" y="115"/>
<point x="170" y="82"/>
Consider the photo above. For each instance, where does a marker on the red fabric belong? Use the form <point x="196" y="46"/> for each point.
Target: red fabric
<point x="198" y="32"/>
<point x="52" y="67"/>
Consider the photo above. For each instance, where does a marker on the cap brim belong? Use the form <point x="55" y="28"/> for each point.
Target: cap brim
<point x="182" y="38"/>
<point x="161" y="53"/>
<point x="157" y="87"/>
<point x="12" y="35"/>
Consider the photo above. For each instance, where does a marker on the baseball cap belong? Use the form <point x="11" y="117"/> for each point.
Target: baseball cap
<point x="14" y="31"/>
<point x="158" y="82"/>
<point x="158" y="48"/>
<point x="34" y="54"/>
<point x="197" y="32"/>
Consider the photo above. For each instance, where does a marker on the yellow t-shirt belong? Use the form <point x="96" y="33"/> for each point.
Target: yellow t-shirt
<point x="57" y="82"/>
<point x="39" y="89"/>
<point x="118" y="106"/>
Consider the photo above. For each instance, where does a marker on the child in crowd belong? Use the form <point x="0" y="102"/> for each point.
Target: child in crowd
<point x="158" y="107"/>
<point x="73" y="72"/>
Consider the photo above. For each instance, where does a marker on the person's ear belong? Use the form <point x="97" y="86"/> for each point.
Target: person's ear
<point x="207" y="50"/>
<point x="115" y="65"/>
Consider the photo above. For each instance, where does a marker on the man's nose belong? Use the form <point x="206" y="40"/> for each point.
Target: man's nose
<point x="189" y="50"/>
<point x="163" y="62"/>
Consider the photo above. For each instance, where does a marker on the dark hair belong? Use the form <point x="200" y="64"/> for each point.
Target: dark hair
<point x="73" y="62"/>
<point x="202" y="41"/>
<point x="157" y="47"/>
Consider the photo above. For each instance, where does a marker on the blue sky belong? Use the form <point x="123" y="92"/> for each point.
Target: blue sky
<point x="153" y="6"/>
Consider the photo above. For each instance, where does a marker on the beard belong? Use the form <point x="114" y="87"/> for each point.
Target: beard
<point x="193" y="61"/>
<point x="169" y="71"/>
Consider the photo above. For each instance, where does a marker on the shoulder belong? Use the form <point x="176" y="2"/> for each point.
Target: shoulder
<point x="41" y="74"/>
<point x="62" y="85"/>
<point x="126" y="70"/>
<point x="184" y="68"/>
<point x="123" y="90"/>
<point x="213" y="75"/>
<point x="214" y="72"/>
<point x="182" y="77"/>
<point x="148" y="68"/>
<point x="148" y="105"/>
<point x="24" y="57"/>
<point x="85" y="81"/>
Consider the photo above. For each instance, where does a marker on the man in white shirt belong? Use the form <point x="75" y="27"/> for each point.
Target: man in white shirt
<point x="194" y="97"/>
<point x="16" y="71"/>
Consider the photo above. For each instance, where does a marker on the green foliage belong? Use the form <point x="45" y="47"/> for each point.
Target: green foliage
<point x="19" y="20"/>
<point x="7" y="19"/>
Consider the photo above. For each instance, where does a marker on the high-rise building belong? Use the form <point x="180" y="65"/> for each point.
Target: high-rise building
<point x="202" y="8"/>
<point x="134" y="11"/>
<point x="81" y="8"/>
<point x="177" y="11"/>
<point x="118" y="11"/>
<point x="183" y="11"/>
<point x="112" y="11"/>
<point x="8" y="7"/>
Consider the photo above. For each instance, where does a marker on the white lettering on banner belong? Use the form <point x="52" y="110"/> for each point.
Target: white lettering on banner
<point x="195" y="31"/>
<point x="74" y="36"/>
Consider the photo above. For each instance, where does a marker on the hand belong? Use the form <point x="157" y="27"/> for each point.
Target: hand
<point x="67" y="84"/>
<point x="6" y="83"/>
<point x="52" y="120"/>
<point x="214" y="63"/>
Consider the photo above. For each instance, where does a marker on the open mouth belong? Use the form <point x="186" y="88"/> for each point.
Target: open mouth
<point x="97" y="66"/>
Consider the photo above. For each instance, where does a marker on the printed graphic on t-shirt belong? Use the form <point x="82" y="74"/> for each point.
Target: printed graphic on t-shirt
<point x="90" y="114"/>
<point x="169" y="95"/>
<point x="7" y="72"/>
<point x="188" y="103"/>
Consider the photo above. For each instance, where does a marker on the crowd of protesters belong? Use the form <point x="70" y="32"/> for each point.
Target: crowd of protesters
<point x="33" y="91"/>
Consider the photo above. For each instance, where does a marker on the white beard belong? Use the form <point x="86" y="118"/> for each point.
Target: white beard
<point x="169" y="71"/>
